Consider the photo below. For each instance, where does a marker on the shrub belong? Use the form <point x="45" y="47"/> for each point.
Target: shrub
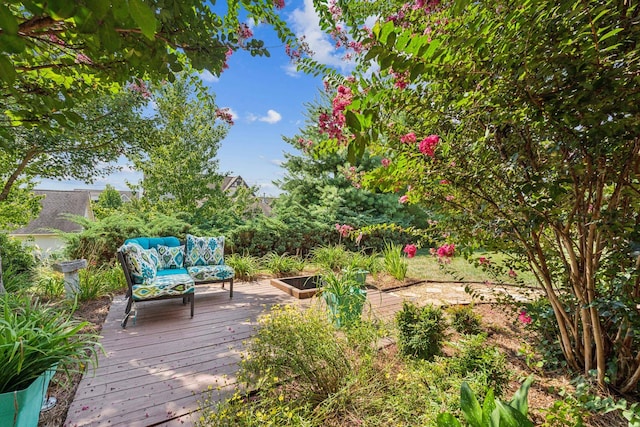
<point x="282" y="265"/>
<point x="485" y="363"/>
<point x="290" y="343"/>
<point x="464" y="320"/>
<point x="332" y="258"/>
<point x="35" y="337"/>
<point x="246" y="266"/>
<point x="393" y="261"/>
<point x="15" y="255"/>
<point x="421" y="330"/>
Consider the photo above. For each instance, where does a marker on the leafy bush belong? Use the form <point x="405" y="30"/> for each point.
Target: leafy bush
<point x="283" y="265"/>
<point x="464" y="320"/>
<point x="421" y="330"/>
<point x="483" y="362"/>
<point x="493" y="412"/>
<point x="17" y="262"/>
<point x="35" y="337"/>
<point x="333" y="258"/>
<point x="246" y="267"/>
<point x="302" y="345"/>
<point x="282" y="234"/>
<point x="393" y="261"/>
<point x="100" y="240"/>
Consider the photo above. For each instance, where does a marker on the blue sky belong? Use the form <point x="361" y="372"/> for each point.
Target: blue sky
<point x="267" y="98"/>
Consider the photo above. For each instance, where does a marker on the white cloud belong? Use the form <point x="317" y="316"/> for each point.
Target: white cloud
<point x="207" y="77"/>
<point x="305" y="22"/>
<point x="276" y="162"/>
<point x="272" y="117"/>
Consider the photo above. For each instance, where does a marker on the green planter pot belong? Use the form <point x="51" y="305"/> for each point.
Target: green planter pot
<point x="22" y="408"/>
<point x="345" y="310"/>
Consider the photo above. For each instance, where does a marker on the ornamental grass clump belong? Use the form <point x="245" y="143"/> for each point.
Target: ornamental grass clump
<point x="393" y="261"/>
<point x="35" y="337"/>
<point x="246" y="267"/>
<point x="330" y="257"/>
<point x="283" y="265"/>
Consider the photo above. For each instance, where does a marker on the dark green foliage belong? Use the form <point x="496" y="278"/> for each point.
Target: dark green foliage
<point x="464" y="320"/>
<point x="15" y="258"/>
<point x="100" y="240"/>
<point x="485" y="363"/>
<point x="293" y="234"/>
<point x="421" y="330"/>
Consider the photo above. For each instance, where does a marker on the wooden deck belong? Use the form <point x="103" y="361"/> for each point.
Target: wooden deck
<point x="154" y="372"/>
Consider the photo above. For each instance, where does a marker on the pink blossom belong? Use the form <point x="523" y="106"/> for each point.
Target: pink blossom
<point x="344" y="229"/>
<point x="444" y="182"/>
<point x="279" y="4"/>
<point x="408" y="138"/>
<point x="403" y="199"/>
<point x="482" y="260"/>
<point x="428" y="145"/>
<point x="244" y="32"/>
<point x="512" y="273"/>
<point x="449" y="198"/>
<point x="524" y="317"/>
<point x="410" y="250"/>
<point x="385" y="162"/>
<point x="446" y="250"/>
<point x="225" y="115"/>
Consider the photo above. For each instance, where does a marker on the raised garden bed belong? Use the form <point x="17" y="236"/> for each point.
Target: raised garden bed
<point x="300" y="287"/>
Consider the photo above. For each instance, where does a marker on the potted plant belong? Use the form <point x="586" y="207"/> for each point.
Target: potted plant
<point x="35" y="339"/>
<point x="344" y="297"/>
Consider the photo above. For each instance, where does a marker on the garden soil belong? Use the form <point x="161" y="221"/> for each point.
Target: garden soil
<point x="500" y="323"/>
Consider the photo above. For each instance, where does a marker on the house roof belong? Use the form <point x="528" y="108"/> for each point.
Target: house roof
<point x="54" y="205"/>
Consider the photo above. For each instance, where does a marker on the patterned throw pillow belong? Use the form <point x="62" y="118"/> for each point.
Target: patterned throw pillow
<point x="142" y="263"/>
<point x="204" y="250"/>
<point x="170" y="257"/>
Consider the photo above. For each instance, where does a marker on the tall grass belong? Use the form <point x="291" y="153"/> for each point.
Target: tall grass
<point x="282" y="265"/>
<point x="332" y="258"/>
<point x="246" y="267"/>
<point x="394" y="263"/>
<point x="96" y="282"/>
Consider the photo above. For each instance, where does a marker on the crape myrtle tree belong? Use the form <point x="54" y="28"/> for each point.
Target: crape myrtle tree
<point x="520" y="123"/>
<point x="180" y="170"/>
<point x="328" y="186"/>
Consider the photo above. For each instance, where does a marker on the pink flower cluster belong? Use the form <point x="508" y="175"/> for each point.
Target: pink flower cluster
<point x="444" y="252"/>
<point x="484" y="261"/>
<point x="227" y="55"/>
<point x="141" y="88"/>
<point x="385" y="162"/>
<point x="333" y="124"/>
<point x="403" y="199"/>
<point x="305" y="144"/>
<point x="524" y="317"/>
<point x="244" y="32"/>
<point x="428" y="145"/>
<point x="344" y="229"/>
<point x="225" y="115"/>
<point x="410" y="250"/>
<point x="279" y="4"/>
<point x="354" y="176"/>
<point x="408" y="138"/>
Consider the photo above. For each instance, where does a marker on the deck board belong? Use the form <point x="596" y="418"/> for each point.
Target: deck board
<point x="155" y="371"/>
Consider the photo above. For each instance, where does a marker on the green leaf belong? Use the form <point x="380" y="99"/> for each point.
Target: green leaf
<point x="143" y="16"/>
<point x="109" y="39"/>
<point x="519" y="400"/>
<point x="11" y="43"/>
<point x="8" y="22"/>
<point x="61" y="9"/>
<point x="7" y="72"/>
<point x="352" y="121"/>
<point x="511" y="417"/>
<point x="470" y="407"/>
<point x="447" y="420"/>
<point x="99" y="7"/>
